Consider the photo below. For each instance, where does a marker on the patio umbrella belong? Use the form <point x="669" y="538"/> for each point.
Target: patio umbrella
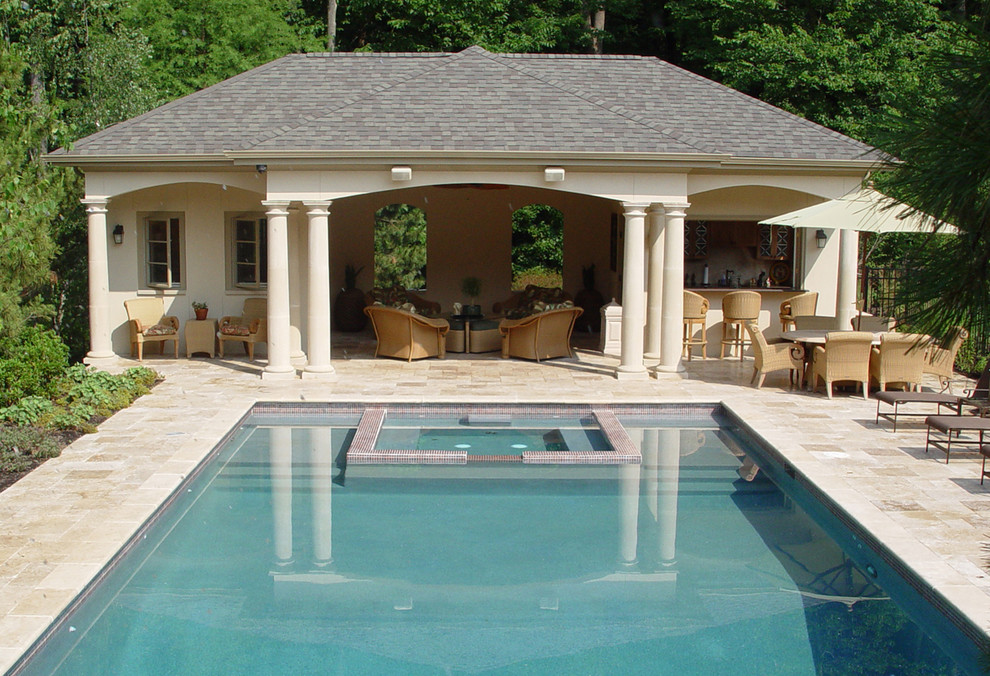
<point x="866" y="210"/>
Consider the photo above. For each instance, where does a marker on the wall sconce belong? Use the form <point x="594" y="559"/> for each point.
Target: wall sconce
<point x="821" y="238"/>
<point x="553" y="174"/>
<point x="118" y="234"/>
<point x="261" y="168"/>
<point x="401" y="173"/>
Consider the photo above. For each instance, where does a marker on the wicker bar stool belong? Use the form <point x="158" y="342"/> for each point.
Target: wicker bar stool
<point x="738" y="309"/>
<point x="695" y="315"/>
<point x="799" y="305"/>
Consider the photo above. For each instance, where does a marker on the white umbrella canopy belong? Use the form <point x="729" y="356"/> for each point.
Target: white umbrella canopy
<point x="865" y="210"/>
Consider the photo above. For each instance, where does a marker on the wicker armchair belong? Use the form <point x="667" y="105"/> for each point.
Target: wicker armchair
<point x="148" y="323"/>
<point x="846" y="356"/>
<point x="872" y="323"/>
<point x="738" y="309"/>
<point x="544" y="335"/>
<point x="695" y="314"/>
<point x="406" y="335"/>
<point x="799" y="305"/>
<point x="775" y="356"/>
<point x="942" y="358"/>
<point x="900" y="358"/>
<point x="250" y="328"/>
<point x="816" y="323"/>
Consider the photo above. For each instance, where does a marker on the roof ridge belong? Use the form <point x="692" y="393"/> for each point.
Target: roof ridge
<point x="124" y="124"/>
<point x="448" y="58"/>
<point x="633" y="116"/>
<point x="708" y="82"/>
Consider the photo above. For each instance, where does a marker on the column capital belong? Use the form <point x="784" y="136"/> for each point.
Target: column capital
<point x="655" y="208"/>
<point x="634" y="208"/>
<point x="318" y="207"/>
<point x="676" y="208"/>
<point x="95" y="205"/>
<point x="276" y="207"/>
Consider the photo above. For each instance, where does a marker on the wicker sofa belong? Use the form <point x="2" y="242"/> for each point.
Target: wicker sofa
<point x="407" y="335"/>
<point x="396" y="297"/>
<point x="522" y="301"/>
<point x="543" y="335"/>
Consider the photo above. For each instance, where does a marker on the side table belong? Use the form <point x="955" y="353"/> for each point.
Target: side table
<point x="201" y="336"/>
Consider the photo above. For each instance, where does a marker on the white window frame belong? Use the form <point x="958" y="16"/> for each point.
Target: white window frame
<point x="174" y="250"/>
<point x="260" y="243"/>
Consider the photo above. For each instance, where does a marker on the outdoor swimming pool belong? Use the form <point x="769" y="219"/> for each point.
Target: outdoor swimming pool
<point x="280" y="557"/>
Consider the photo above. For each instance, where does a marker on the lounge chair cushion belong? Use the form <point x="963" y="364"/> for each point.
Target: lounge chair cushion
<point x="235" y="330"/>
<point x="159" y="330"/>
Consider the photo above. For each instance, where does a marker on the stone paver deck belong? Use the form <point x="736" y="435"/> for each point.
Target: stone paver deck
<point x="64" y="521"/>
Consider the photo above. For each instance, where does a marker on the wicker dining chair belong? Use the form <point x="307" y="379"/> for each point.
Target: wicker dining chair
<point x="845" y="356"/>
<point x="775" y="356"/>
<point x="942" y="357"/>
<point x="900" y="358"/>
<point x="799" y="305"/>
<point x="738" y="309"/>
<point x="695" y="315"/>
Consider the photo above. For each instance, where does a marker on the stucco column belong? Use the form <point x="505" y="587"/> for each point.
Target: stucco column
<point x="279" y="365"/>
<point x="633" y="278"/>
<point x="318" y="321"/>
<point x="654" y="279"/>
<point x="99" y="282"/>
<point x="845" y="292"/>
<point x="672" y="313"/>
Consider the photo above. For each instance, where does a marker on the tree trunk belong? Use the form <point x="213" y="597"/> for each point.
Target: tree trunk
<point x="596" y="22"/>
<point x="331" y="25"/>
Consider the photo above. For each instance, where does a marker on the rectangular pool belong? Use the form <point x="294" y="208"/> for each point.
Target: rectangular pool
<point x="280" y="557"/>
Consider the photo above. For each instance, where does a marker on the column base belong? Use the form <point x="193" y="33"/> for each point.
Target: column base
<point x="652" y="355"/>
<point x="280" y="374"/>
<point x="100" y="359"/>
<point x="319" y="373"/>
<point x="631" y="374"/>
<point x="662" y="371"/>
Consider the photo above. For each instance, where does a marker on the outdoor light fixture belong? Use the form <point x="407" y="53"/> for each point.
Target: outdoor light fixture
<point x="262" y="168"/>
<point x="821" y="238"/>
<point x="401" y="173"/>
<point x="118" y="234"/>
<point x="553" y="174"/>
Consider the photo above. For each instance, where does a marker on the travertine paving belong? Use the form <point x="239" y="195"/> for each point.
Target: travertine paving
<point x="63" y="522"/>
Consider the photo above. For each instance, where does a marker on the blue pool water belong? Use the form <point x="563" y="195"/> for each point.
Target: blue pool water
<point x="277" y="558"/>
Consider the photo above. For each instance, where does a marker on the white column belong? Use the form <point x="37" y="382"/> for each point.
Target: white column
<point x="845" y="292"/>
<point x="99" y="282"/>
<point x="280" y="462"/>
<point x="672" y="313"/>
<point x="279" y="365"/>
<point x="633" y="278"/>
<point x="321" y="466"/>
<point x="654" y="279"/>
<point x="318" y="319"/>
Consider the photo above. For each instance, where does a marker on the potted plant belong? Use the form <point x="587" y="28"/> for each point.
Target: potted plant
<point x="348" y="308"/>
<point x="471" y="286"/>
<point x="590" y="300"/>
<point x="201" y="309"/>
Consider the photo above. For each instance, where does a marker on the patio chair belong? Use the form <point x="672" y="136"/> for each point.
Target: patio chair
<point x="544" y="335"/>
<point x="800" y="305"/>
<point x="695" y="315"/>
<point x="872" y="323"/>
<point x="900" y="358"/>
<point x="148" y="323"/>
<point x="407" y="335"/>
<point x="942" y="357"/>
<point x="738" y="309"/>
<point x="775" y="356"/>
<point x="250" y="328"/>
<point x="845" y="356"/>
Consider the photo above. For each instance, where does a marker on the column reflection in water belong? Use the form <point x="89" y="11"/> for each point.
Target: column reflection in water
<point x="280" y="460"/>
<point x="321" y="464"/>
<point x="668" y="474"/>
<point x="628" y="513"/>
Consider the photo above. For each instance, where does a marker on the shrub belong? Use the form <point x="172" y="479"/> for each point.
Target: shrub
<point x="27" y="411"/>
<point x="31" y="365"/>
<point x="21" y="446"/>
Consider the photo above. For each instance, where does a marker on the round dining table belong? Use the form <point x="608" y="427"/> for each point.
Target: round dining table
<point x="813" y="337"/>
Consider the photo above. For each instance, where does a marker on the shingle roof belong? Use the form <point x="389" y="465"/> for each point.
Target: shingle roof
<point x="470" y="101"/>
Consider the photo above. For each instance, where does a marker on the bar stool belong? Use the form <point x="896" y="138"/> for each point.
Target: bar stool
<point x="738" y="309"/>
<point x="799" y="305"/>
<point x="695" y="314"/>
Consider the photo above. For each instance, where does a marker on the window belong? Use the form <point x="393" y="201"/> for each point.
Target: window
<point x="400" y="247"/>
<point x="163" y="251"/>
<point x="249" y="251"/>
<point x="537" y="246"/>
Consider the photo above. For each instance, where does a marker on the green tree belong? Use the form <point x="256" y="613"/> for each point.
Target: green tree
<point x="940" y="150"/>
<point x="400" y="247"/>
<point x="537" y="244"/>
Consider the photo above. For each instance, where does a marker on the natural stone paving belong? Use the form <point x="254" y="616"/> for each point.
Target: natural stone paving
<point x="64" y="521"/>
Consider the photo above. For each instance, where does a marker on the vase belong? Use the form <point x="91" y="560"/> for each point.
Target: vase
<point x="201" y="313"/>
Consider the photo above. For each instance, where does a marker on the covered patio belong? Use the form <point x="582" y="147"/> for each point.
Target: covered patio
<point x="628" y="149"/>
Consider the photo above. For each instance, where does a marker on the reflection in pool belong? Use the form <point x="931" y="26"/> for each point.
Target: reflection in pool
<point x="278" y="559"/>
